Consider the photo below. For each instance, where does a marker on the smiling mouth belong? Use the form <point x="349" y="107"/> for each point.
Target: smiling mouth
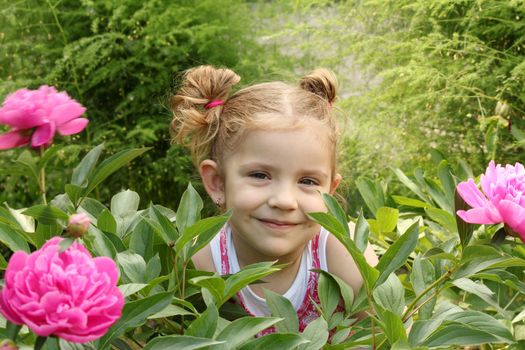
<point x="277" y="223"/>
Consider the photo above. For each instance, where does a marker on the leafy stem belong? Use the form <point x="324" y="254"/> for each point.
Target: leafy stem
<point x="42" y="178"/>
<point x="408" y="312"/>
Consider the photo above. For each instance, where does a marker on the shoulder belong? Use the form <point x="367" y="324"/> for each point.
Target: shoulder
<point x="341" y="263"/>
<point x="203" y="259"/>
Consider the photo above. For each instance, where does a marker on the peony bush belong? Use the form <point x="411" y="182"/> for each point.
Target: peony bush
<point x="119" y="276"/>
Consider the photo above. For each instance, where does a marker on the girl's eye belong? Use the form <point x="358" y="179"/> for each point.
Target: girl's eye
<point x="309" y="182"/>
<point x="258" y="175"/>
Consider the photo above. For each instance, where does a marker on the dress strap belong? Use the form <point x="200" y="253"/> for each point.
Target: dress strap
<point x="308" y="312"/>
<point x="223" y="244"/>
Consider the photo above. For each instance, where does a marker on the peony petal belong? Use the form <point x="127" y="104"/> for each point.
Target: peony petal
<point x="72" y="127"/>
<point x="108" y="266"/>
<point x="512" y="214"/>
<point x="6" y="309"/>
<point x="479" y="216"/>
<point x="20" y="118"/>
<point x="43" y="135"/>
<point x="13" y="139"/>
<point x="471" y="194"/>
<point x="68" y="111"/>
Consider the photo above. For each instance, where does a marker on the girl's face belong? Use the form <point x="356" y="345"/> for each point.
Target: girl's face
<point x="270" y="182"/>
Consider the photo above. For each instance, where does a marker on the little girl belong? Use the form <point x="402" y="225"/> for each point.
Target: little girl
<point x="267" y="153"/>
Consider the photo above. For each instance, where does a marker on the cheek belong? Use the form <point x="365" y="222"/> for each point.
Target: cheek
<point x="313" y="203"/>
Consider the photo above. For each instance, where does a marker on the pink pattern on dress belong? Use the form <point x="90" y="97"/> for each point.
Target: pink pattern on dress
<point x="308" y="311"/>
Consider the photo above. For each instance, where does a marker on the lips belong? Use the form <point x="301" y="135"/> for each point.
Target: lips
<point x="277" y="223"/>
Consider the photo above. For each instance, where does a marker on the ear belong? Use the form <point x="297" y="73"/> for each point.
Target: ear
<point x="212" y="180"/>
<point x="335" y="183"/>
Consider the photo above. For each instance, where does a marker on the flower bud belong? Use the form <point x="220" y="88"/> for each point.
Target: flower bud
<point x="502" y="108"/>
<point x="78" y="225"/>
<point x="8" y="344"/>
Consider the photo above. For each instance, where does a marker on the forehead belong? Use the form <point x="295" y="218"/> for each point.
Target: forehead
<point x="305" y="147"/>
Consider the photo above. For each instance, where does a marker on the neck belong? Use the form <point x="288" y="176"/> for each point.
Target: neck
<point x="279" y="281"/>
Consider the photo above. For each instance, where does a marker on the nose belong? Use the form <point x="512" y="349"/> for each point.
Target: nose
<point x="283" y="197"/>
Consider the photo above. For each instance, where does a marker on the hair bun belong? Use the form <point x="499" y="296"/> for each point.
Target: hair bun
<point x="204" y="84"/>
<point x="321" y="82"/>
<point x="194" y="125"/>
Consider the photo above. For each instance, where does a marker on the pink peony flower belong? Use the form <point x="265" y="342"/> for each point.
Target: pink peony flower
<point x="69" y="294"/>
<point x="502" y="200"/>
<point x="77" y="225"/>
<point x="35" y="115"/>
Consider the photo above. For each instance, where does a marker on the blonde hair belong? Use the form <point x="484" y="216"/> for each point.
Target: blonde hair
<point x="210" y="132"/>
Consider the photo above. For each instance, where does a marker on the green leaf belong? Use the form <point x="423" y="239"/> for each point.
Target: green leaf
<point x="464" y="229"/>
<point x="74" y="193"/>
<point x="153" y="267"/>
<point x="167" y="230"/>
<point x="181" y="342"/>
<point x="410" y="184"/>
<point x="133" y="266"/>
<point x="442" y="217"/>
<point x="243" y="329"/>
<point x="317" y="333"/>
<point x="65" y="243"/>
<point x="447" y="180"/>
<point x="106" y="222"/>
<point x="12" y="239"/>
<point x="204" y="230"/>
<point x="124" y="208"/>
<point x="83" y="170"/>
<point x="437" y="194"/>
<point x="362" y="231"/>
<point x="44" y="232"/>
<point x="479" y="289"/>
<point x="409" y="202"/>
<point x="141" y="240"/>
<point x="170" y="311"/>
<point x="110" y="165"/>
<point x="387" y="219"/>
<point x="189" y="210"/>
<point x="205" y="325"/>
<point x="345" y="290"/>
<point x="125" y="203"/>
<point x="282" y="307"/>
<point x="335" y="209"/>
<point x="392" y="325"/>
<point x="328" y="291"/>
<point x="131" y="288"/>
<point x="46" y="214"/>
<point x="330" y="223"/>
<point x="372" y="194"/>
<point x="423" y="274"/>
<point x="459" y="334"/>
<point x="99" y="243"/>
<point x="369" y="273"/>
<point x="397" y="253"/>
<point x="281" y="341"/>
<point x="214" y="284"/>
<point x="390" y="295"/>
<point x="245" y="276"/>
<point x="134" y="314"/>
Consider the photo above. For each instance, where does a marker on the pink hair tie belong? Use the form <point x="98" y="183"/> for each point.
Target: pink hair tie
<point x="214" y="103"/>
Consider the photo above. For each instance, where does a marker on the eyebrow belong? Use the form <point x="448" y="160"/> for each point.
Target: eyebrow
<point x="264" y="166"/>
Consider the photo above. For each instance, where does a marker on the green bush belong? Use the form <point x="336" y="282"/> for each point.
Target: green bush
<point x="121" y="60"/>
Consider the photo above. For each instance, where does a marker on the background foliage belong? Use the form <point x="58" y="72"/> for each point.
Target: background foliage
<point x="121" y="60"/>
